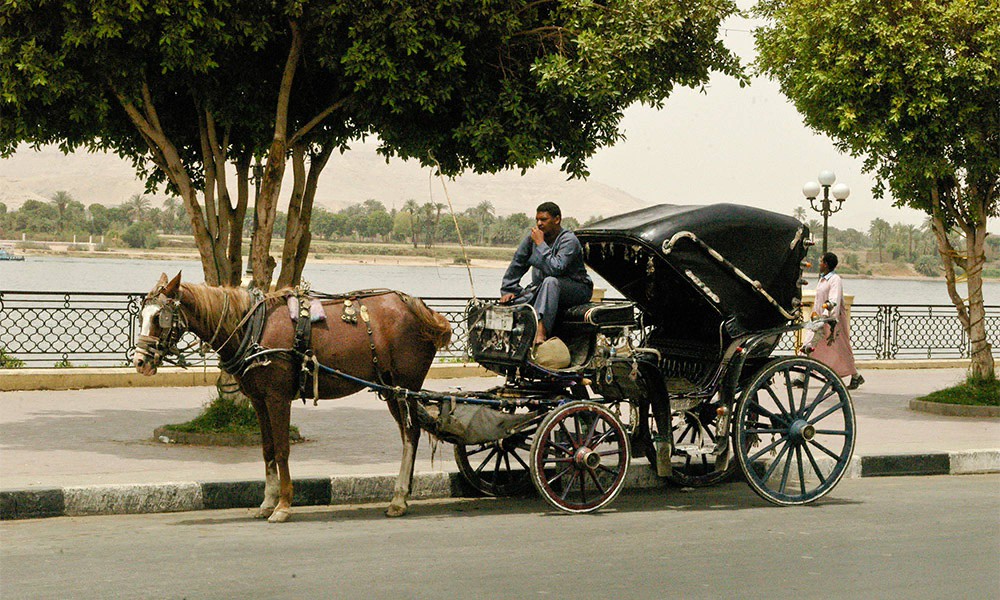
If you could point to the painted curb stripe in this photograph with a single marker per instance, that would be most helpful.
(349, 489)
(905, 464)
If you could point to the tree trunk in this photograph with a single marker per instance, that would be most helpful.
(298, 237)
(971, 315)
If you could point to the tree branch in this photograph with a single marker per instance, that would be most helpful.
(305, 129)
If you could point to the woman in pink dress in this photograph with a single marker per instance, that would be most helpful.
(832, 345)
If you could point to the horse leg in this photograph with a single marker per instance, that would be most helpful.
(271, 484)
(280, 411)
(410, 433)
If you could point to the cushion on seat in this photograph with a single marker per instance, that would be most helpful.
(601, 314)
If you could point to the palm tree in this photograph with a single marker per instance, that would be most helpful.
(879, 231)
(413, 208)
(61, 199)
(136, 206)
(800, 214)
(485, 214)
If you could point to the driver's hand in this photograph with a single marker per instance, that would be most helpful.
(537, 236)
(507, 298)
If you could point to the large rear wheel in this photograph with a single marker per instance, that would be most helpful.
(794, 431)
(579, 457)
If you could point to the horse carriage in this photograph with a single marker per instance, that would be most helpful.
(680, 371)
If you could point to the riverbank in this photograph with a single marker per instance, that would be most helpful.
(176, 254)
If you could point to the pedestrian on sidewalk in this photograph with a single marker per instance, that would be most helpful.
(831, 345)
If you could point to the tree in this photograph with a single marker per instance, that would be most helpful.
(800, 214)
(879, 233)
(913, 88)
(413, 209)
(485, 214)
(137, 207)
(192, 92)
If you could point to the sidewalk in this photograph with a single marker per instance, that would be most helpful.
(55, 441)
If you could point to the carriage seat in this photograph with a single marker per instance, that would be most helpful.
(600, 314)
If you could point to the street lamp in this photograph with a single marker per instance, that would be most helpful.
(840, 192)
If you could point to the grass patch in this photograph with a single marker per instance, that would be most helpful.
(224, 415)
(970, 393)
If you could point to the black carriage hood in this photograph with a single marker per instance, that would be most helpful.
(672, 259)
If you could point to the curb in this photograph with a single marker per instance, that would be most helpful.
(955, 410)
(354, 489)
(24, 380)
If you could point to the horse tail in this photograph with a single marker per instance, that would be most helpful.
(436, 328)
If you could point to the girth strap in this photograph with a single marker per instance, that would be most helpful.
(303, 345)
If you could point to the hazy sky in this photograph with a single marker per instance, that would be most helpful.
(731, 144)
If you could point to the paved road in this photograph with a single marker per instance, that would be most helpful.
(901, 537)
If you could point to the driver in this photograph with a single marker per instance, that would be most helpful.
(559, 278)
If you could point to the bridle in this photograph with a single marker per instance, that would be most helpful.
(172, 324)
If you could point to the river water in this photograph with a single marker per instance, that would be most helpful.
(69, 274)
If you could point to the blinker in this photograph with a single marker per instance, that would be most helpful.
(166, 316)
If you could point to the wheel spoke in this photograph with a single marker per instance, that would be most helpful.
(520, 460)
(558, 476)
(832, 409)
(778, 403)
(597, 482)
(760, 410)
(775, 463)
(821, 397)
(486, 461)
(603, 438)
(569, 436)
(768, 430)
(569, 487)
(831, 431)
(802, 475)
(784, 473)
(815, 466)
(766, 449)
(583, 489)
(825, 450)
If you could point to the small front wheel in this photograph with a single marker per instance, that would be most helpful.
(497, 468)
(794, 431)
(579, 457)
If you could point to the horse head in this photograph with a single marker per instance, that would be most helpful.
(162, 325)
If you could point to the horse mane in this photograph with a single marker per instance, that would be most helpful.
(209, 303)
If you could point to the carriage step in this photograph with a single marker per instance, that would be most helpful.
(693, 449)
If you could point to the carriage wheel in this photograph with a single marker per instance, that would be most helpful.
(794, 443)
(695, 432)
(497, 468)
(579, 457)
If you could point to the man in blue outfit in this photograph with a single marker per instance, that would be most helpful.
(558, 276)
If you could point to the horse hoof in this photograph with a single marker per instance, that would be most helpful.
(279, 516)
(395, 510)
(263, 513)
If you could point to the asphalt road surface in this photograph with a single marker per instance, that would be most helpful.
(904, 537)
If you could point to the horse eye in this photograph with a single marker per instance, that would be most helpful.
(164, 318)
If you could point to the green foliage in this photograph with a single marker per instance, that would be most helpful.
(141, 235)
(912, 88)
(929, 266)
(9, 362)
(63, 364)
(224, 415)
(971, 393)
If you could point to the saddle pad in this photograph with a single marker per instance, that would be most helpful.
(601, 314)
(316, 312)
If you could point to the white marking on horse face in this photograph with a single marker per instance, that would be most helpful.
(146, 322)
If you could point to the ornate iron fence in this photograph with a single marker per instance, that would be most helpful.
(45, 329)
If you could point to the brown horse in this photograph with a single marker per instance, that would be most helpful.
(394, 341)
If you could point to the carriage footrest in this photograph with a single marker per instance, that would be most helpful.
(601, 314)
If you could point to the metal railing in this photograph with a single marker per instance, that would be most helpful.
(45, 329)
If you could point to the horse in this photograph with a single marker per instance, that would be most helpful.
(394, 343)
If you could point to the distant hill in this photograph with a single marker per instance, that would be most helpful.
(349, 178)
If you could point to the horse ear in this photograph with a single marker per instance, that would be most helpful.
(171, 289)
(163, 280)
